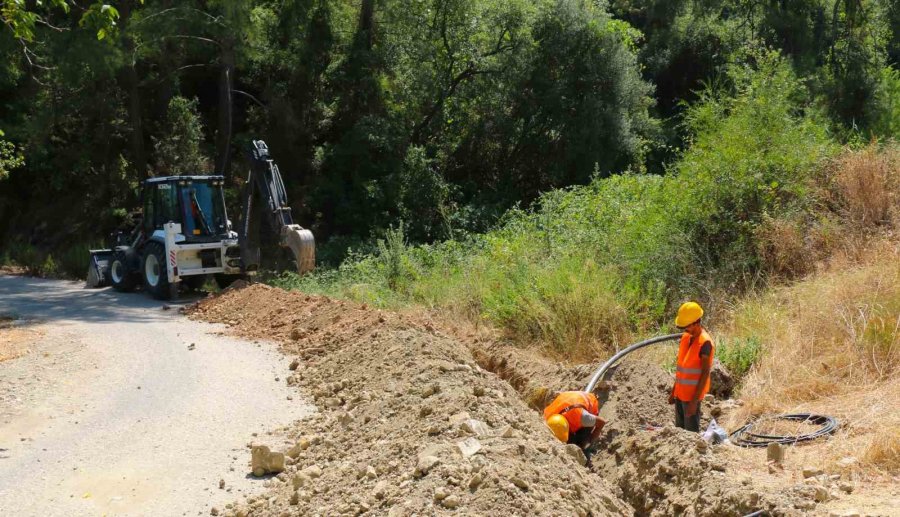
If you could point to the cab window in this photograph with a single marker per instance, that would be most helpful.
(160, 206)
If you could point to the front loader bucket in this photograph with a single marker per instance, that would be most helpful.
(302, 244)
(98, 269)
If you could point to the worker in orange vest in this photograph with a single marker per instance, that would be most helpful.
(695, 359)
(572, 416)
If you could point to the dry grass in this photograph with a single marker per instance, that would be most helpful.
(832, 345)
(855, 197)
(867, 184)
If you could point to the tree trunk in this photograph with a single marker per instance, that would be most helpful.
(136, 139)
(366, 27)
(226, 81)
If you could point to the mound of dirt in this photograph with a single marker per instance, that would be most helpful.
(408, 422)
(672, 472)
(413, 419)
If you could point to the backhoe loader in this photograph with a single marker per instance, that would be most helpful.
(184, 234)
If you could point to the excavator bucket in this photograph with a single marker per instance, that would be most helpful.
(302, 244)
(98, 269)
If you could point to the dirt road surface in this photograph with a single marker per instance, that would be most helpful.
(112, 412)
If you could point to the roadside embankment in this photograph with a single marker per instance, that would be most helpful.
(413, 419)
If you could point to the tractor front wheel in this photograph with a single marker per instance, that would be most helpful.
(120, 276)
(156, 276)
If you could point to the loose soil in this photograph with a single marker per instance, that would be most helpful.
(15, 337)
(418, 417)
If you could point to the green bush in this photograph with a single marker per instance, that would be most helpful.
(48, 268)
(69, 262)
(73, 261)
(25, 256)
(739, 354)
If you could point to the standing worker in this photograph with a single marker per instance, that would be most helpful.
(572, 416)
(695, 359)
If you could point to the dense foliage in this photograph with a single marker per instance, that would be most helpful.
(438, 113)
(612, 257)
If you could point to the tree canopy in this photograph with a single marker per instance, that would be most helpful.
(440, 114)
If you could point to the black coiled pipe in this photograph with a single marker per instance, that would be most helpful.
(746, 438)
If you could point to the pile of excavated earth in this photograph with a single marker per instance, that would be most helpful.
(414, 418)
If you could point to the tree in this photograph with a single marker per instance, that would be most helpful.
(178, 149)
(584, 106)
(10, 158)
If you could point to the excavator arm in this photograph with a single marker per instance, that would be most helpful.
(271, 204)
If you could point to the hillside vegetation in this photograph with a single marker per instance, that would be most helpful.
(763, 192)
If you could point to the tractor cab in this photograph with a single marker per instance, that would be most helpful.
(197, 203)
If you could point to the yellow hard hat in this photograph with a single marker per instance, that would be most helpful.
(560, 427)
(689, 312)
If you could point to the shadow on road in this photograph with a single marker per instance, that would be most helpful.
(48, 300)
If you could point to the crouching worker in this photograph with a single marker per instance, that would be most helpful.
(572, 416)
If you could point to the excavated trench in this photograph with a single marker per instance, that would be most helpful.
(656, 468)
(414, 419)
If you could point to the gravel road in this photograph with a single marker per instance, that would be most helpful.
(113, 412)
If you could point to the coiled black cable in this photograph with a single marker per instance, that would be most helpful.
(745, 438)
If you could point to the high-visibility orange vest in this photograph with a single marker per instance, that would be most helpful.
(689, 367)
(570, 404)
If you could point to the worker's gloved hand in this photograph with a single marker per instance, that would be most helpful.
(671, 398)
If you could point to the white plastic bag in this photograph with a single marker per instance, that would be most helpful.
(714, 433)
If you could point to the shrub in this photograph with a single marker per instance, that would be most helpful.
(868, 185)
(49, 268)
(739, 355)
(392, 257)
(73, 260)
(26, 256)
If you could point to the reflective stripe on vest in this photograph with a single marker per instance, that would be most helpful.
(690, 367)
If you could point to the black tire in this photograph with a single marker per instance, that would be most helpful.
(194, 282)
(155, 273)
(224, 281)
(121, 278)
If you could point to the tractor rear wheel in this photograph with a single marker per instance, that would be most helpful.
(120, 276)
(156, 275)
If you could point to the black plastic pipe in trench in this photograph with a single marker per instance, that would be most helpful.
(622, 353)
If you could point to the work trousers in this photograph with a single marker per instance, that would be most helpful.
(689, 423)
